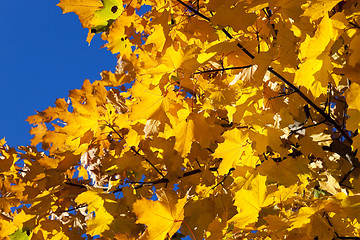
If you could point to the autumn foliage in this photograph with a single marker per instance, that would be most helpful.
(223, 120)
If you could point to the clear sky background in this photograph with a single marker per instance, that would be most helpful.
(43, 55)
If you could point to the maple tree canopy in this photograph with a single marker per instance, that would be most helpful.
(223, 120)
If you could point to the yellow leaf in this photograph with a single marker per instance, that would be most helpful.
(152, 104)
(317, 9)
(175, 58)
(326, 34)
(250, 202)
(195, 128)
(163, 217)
(314, 74)
(232, 149)
(303, 217)
(105, 16)
(291, 170)
(119, 34)
(83, 173)
(288, 8)
(235, 17)
(283, 193)
(22, 217)
(85, 9)
(6, 228)
(99, 224)
(354, 58)
(353, 96)
(351, 205)
(39, 131)
(262, 61)
(158, 37)
(331, 185)
(184, 134)
(92, 199)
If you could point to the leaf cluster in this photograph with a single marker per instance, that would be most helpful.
(223, 120)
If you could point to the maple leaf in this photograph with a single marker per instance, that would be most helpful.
(233, 16)
(291, 169)
(105, 16)
(162, 217)
(95, 202)
(153, 103)
(85, 9)
(249, 202)
(317, 9)
(6, 228)
(194, 127)
(232, 149)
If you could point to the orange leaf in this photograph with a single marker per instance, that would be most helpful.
(163, 217)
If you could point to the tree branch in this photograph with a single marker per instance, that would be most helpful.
(72, 209)
(308, 126)
(223, 69)
(68, 182)
(194, 10)
(166, 180)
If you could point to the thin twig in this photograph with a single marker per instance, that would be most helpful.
(72, 209)
(165, 180)
(346, 176)
(354, 24)
(282, 95)
(308, 126)
(194, 10)
(223, 69)
(221, 182)
(68, 182)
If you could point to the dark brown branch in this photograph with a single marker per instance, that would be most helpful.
(194, 10)
(309, 126)
(165, 180)
(72, 209)
(223, 180)
(223, 69)
(345, 177)
(354, 25)
(281, 95)
(68, 182)
(270, 69)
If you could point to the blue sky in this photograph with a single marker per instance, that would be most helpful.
(43, 55)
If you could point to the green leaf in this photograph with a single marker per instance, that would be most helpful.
(21, 234)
